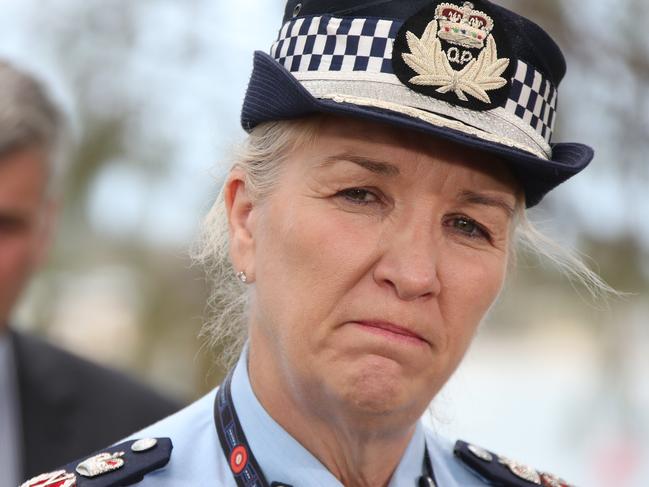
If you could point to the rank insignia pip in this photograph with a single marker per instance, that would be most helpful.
(456, 52)
(522, 471)
(144, 444)
(481, 453)
(58, 478)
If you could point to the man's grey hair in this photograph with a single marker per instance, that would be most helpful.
(29, 118)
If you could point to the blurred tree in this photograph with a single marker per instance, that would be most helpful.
(94, 44)
(106, 53)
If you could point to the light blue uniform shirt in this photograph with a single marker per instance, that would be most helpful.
(197, 458)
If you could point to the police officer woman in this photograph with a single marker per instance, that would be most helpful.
(360, 238)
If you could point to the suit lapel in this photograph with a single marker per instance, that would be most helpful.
(47, 400)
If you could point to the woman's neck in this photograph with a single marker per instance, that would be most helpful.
(360, 451)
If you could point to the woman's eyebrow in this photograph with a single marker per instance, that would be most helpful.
(476, 198)
(373, 165)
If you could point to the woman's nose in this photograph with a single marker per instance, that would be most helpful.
(408, 264)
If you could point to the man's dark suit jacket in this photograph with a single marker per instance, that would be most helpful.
(71, 407)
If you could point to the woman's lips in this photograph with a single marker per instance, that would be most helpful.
(390, 330)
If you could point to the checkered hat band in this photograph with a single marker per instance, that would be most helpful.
(351, 48)
(533, 99)
(336, 44)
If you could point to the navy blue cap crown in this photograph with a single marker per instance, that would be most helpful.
(532, 44)
(471, 72)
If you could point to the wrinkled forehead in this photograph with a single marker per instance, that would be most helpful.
(390, 150)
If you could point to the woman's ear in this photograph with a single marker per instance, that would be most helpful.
(239, 207)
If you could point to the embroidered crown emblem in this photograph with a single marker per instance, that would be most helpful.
(468, 29)
(100, 464)
(463, 26)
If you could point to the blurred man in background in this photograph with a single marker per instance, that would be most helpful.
(54, 406)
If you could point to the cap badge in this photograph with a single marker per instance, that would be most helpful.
(58, 478)
(456, 55)
(100, 464)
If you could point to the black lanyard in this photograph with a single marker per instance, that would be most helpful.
(243, 465)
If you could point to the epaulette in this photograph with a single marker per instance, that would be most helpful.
(501, 471)
(116, 466)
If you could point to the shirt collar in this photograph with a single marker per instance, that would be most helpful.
(284, 459)
(10, 420)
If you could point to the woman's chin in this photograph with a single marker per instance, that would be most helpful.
(376, 386)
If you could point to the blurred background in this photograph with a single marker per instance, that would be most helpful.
(153, 90)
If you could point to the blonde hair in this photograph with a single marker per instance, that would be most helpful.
(261, 157)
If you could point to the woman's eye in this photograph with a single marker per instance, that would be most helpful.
(469, 227)
(359, 196)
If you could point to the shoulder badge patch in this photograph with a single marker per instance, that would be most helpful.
(501, 470)
(122, 464)
(456, 52)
